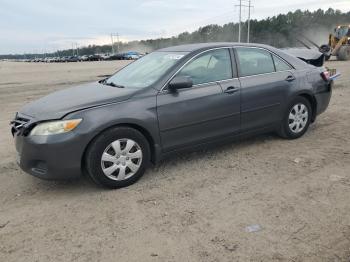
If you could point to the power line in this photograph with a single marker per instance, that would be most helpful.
(200, 23)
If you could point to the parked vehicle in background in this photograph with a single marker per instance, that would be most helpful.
(50, 59)
(119, 56)
(132, 55)
(84, 58)
(94, 57)
(37, 60)
(172, 99)
(105, 56)
(63, 59)
(125, 56)
(72, 59)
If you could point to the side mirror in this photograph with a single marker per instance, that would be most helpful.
(179, 82)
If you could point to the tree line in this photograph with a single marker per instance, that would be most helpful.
(280, 31)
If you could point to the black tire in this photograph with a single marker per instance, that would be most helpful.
(344, 53)
(285, 131)
(97, 147)
(326, 50)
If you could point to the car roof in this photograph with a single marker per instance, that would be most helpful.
(203, 46)
(199, 47)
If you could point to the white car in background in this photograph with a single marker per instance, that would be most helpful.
(132, 55)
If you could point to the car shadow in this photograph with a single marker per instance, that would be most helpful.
(84, 185)
(209, 152)
(81, 184)
(221, 147)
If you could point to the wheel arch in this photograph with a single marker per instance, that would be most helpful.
(313, 102)
(155, 151)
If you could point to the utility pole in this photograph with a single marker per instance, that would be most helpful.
(117, 42)
(112, 44)
(249, 6)
(112, 38)
(240, 21)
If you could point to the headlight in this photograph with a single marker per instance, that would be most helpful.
(55, 127)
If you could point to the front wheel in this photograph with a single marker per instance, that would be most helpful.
(118, 157)
(297, 119)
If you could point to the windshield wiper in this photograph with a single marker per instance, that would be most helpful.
(112, 84)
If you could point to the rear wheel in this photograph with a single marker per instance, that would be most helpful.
(297, 119)
(344, 53)
(118, 157)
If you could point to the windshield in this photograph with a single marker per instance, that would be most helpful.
(145, 71)
(341, 31)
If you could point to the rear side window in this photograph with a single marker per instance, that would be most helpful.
(209, 67)
(254, 61)
(280, 64)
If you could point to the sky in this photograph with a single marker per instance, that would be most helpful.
(39, 26)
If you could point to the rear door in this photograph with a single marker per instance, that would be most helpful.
(265, 81)
(210, 109)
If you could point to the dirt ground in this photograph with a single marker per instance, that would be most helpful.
(192, 207)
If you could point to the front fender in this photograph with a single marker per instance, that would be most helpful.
(139, 112)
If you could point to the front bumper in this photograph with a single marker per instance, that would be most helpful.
(53, 157)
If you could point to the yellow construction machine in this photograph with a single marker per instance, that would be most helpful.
(338, 44)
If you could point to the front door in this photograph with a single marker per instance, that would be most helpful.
(210, 109)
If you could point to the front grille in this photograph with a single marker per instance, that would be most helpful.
(18, 124)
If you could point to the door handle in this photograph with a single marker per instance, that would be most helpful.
(231, 90)
(290, 78)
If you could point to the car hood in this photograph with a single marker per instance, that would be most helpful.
(59, 104)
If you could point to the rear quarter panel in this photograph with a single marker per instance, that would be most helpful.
(322, 90)
(311, 83)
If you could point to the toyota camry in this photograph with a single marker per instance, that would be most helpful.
(169, 100)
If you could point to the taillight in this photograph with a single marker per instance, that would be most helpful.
(325, 76)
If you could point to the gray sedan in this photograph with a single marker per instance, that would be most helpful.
(173, 99)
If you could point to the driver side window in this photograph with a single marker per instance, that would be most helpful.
(209, 67)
